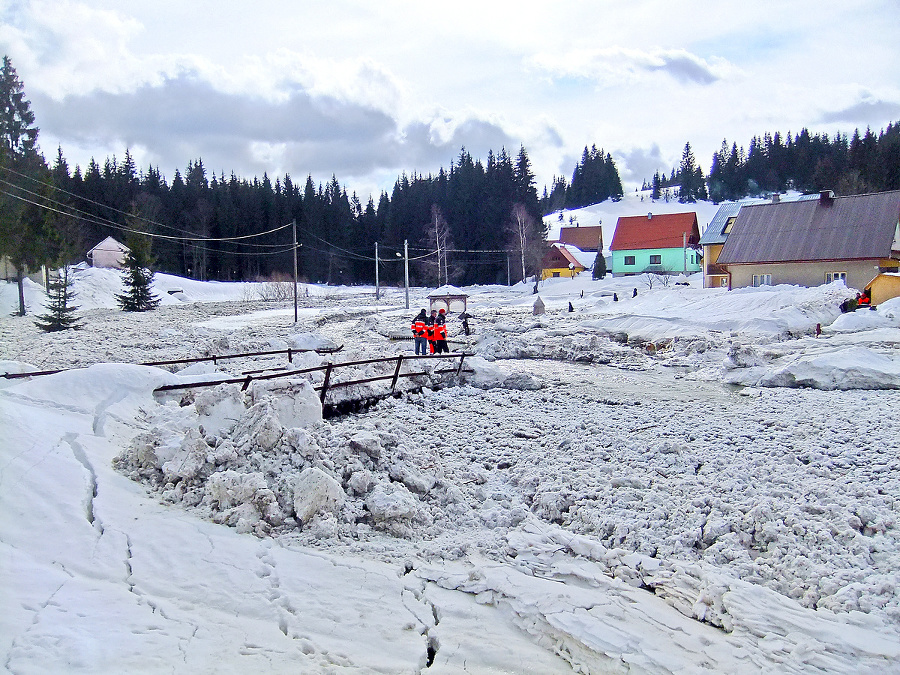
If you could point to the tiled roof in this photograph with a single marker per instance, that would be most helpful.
(585, 238)
(838, 228)
(664, 230)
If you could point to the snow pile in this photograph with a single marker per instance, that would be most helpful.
(262, 462)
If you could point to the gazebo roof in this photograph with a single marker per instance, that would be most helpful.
(448, 291)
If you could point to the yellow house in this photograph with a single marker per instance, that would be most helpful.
(560, 262)
(884, 287)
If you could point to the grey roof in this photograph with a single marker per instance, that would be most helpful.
(858, 227)
(714, 234)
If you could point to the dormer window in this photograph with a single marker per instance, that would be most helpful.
(728, 224)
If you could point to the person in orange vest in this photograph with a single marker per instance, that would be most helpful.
(863, 299)
(429, 329)
(418, 329)
(440, 333)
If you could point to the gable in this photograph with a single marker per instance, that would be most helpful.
(857, 227)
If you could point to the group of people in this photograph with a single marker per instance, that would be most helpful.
(430, 332)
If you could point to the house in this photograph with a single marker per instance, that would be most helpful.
(664, 244)
(583, 238)
(814, 242)
(108, 253)
(448, 298)
(562, 260)
(714, 274)
(884, 287)
(9, 272)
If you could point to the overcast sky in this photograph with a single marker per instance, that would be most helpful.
(366, 90)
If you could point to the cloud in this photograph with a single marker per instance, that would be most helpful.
(618, 65)
(639, 164)
(865, 111)
(186, 118)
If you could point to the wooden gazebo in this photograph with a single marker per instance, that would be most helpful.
(448, 298)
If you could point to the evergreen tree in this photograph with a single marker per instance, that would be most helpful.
(23, 229)
(137, 276)
(599, 270)
(690, 187)
(60, 311)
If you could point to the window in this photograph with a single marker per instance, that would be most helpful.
(834, 276)
(723, 281)
(762, 280)
(728, 224)
(556, 274)
(655, 259)
(629, 260)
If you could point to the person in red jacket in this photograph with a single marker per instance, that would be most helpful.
(440, 333)
(429, 329)
(418, 329)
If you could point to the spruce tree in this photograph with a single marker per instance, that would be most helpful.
(60, 311)
(599, 271)
(137, 276)
(23, 235)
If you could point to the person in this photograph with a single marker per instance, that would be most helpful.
(863, 299)
(615, 297)
(571, 309)
(429, 329)
(418, 329)
(634, 295)
(465, 316)
(440, 333)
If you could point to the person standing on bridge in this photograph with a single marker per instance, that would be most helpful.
(440, 333)
(418, 329)
(429, 329)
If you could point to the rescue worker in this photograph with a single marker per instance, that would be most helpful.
(429, 329)
(863, 299)
(418, 329)
(440, 333)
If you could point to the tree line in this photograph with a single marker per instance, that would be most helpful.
(805, 162)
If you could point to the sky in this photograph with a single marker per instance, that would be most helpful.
(365, 91)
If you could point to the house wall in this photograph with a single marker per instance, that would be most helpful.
(859, 272)
(108, 258)
(9, 272)
(672, 261)
(884, 287)
(550, 272)
(713, 274)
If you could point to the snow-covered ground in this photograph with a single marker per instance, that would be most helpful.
(684, 481)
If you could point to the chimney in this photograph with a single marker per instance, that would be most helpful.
(826, 197)
(776, 197)
(649, 216)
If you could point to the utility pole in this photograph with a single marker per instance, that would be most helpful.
(684, 250)
(377, 294)
(294, 223)
(406, 271)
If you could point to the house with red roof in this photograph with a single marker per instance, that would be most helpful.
(666, 243)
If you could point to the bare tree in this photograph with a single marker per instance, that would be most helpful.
(528, 239)
(438, 234)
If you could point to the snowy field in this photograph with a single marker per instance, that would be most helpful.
(685, 481)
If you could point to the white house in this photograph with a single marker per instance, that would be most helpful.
(108, 253)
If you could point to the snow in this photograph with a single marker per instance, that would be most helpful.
(686, 481)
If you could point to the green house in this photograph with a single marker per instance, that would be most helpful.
(662, 244)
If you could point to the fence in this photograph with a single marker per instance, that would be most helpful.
(198, 359)
(329, 369)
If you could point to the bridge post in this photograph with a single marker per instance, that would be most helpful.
(396, 372)
(325, 381)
